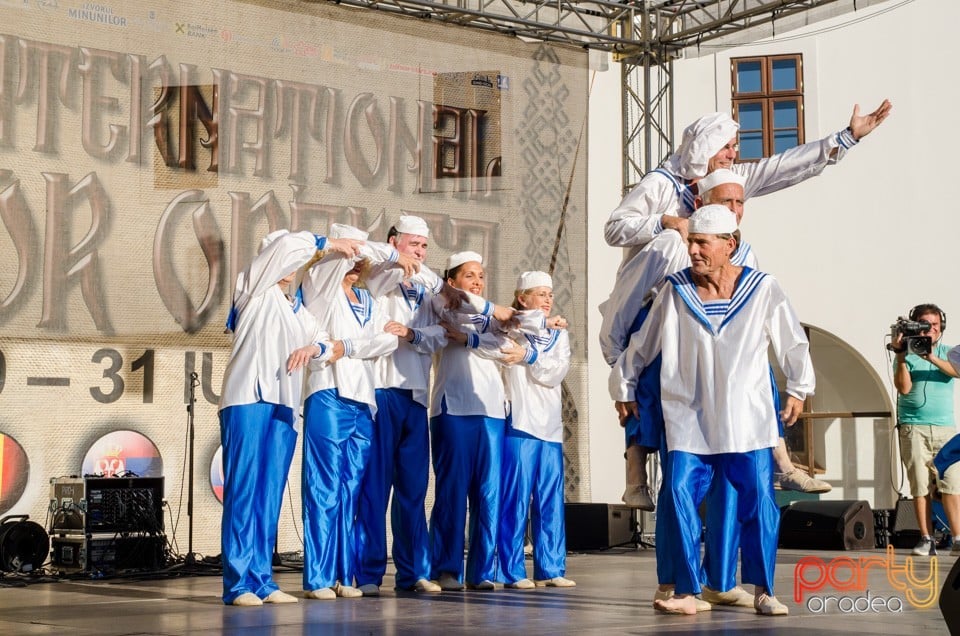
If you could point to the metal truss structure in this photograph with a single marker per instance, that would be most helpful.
(646, 36)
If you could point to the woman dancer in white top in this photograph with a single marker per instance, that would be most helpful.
(273, 338)
(533, 447)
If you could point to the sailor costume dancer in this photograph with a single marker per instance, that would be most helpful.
(637, 223)
(716, 401)
(467, 428)
(533, 451)
(338, 416)
(400, 447)
(259, 406)
(722, 527)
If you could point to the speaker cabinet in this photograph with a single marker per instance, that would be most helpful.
(950, 600)
(597, 526)
(906, 530)
(827, 525)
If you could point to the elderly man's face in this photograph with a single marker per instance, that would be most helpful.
(729, 195)
(412, 245)
(724, 158)
(709, 252)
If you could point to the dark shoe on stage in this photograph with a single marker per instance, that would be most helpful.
(485, 586)
(926, 547)
(449, 583)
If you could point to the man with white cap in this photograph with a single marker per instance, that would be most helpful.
(338, 411)
(712, 323)
(722, 187)
(533, 448)
(664, 199)
(400, 446)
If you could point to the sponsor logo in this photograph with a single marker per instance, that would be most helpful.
(98, 14)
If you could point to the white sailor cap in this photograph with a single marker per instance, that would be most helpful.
(270, 238)
(341, 230)
(719, 177)
(713, 219)
(529, 280)
(458, 259)
(701, 140)
(409, 224)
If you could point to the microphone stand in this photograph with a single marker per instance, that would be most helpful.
(194, 383)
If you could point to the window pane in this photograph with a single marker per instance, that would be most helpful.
(784, 75)
(751, 145)
(750, 116)
(784, 140)
(748, 77)
(785, 114)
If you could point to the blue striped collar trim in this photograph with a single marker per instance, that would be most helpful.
(480, 322)
(740, 256)
(363, 310)
(746, 285)
(298, 300)
(684, 191)
(544, 343)
(413, 294)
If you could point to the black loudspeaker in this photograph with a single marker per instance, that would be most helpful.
(827, 525)
(597, 526)
(950, 600)
(906, 530)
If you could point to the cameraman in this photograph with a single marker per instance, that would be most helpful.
(924, 412)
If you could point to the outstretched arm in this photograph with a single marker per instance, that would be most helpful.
(863, 125)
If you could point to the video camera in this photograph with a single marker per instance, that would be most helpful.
(913, 341)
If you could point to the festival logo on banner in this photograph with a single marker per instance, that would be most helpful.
(14, 472)
(216, 474)
(123, 454)
(814, 576)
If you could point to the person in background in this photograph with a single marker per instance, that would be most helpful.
(925, 422)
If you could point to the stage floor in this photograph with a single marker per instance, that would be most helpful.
(613, 596)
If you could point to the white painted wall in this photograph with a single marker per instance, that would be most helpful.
(855, 247)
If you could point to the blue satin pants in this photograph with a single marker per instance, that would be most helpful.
(467, 454)
(399, 460)
(722, 541)
(751, 474)
(258, 442)
(533, 468)
(336, 446)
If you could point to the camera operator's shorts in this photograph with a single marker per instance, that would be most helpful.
(918, 444)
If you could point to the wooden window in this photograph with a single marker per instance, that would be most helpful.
(768, 104)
